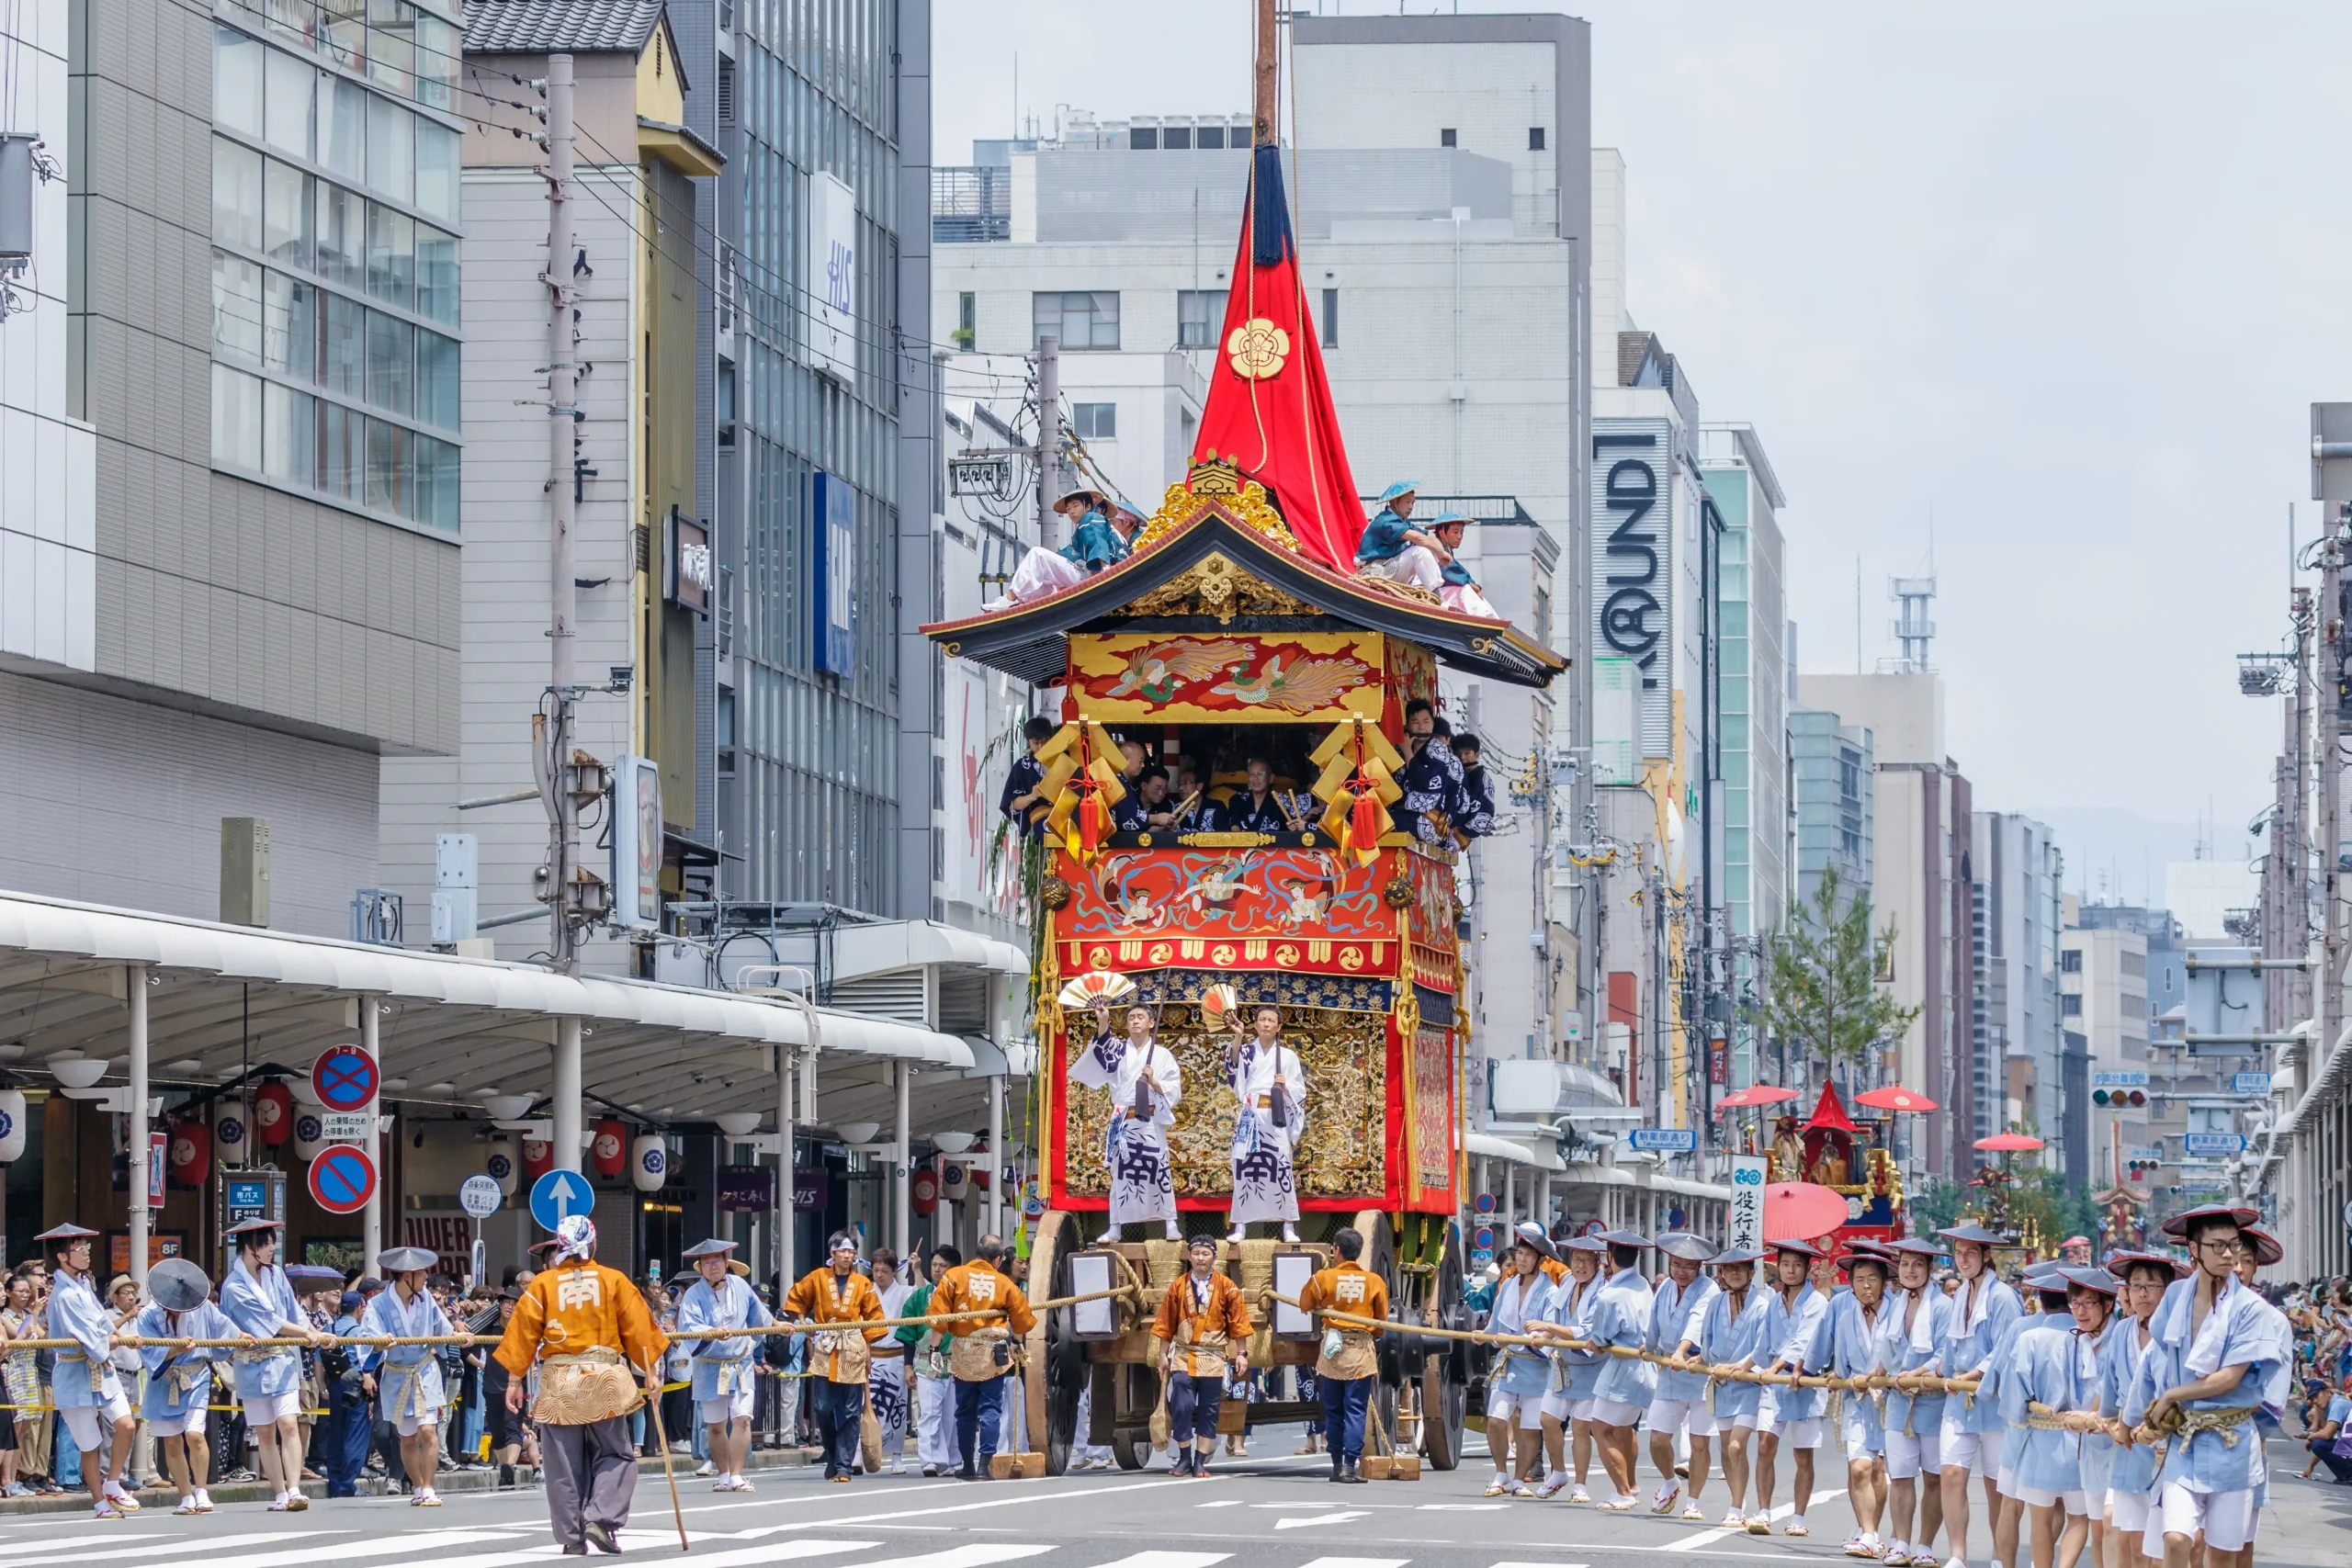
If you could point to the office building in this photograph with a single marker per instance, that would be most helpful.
(2019, 1028)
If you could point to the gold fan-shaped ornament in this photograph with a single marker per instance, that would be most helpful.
(1096, 987)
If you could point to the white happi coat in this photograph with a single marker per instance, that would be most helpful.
(1265, 1179)
(1143, 1185)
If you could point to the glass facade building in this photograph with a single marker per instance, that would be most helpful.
(335, 329)
(809, 782)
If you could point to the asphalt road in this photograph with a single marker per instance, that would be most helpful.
(1267, 1512)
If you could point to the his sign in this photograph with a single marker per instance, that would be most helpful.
(1744, 1225)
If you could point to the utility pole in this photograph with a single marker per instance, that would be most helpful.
(554, 751)
(2330, 1010)
(1049, 432)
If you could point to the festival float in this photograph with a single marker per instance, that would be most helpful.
(1237, 622)
(1851, 1157)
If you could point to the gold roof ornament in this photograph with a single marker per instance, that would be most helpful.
(1215, 484)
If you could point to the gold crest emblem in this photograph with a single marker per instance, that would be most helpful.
(1256, 349)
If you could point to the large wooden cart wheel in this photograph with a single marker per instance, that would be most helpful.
(1380, 1257)
(1049, 1387)
(1130, 1446)
(1445, 1384)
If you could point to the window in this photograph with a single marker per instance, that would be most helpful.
(2071, 961)
(292, 100)
(1445, 137)
(1095, 422)
(391, 256)
(343, 128)
(237, 81)
(436, 275)
(236, 417)
(2071, 1005)
(437, 380)
(236, 194)
(1143, 139)
(967, 313)
(1083, 319)
(1199, 314)
(436, 169)
(341, 235)
(236, 308)
(287, 205)
(1535, 138)
(1331, 318)
(392, 364)
(391, 150)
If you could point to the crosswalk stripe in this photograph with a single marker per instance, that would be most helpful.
(1357, 1563)
(344, 1550)
(1708, 1538)
(1168, 1560)
(976, 1556)
(149, 1546)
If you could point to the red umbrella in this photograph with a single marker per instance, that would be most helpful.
(1802, 1210)
(1896, 1099)
(2007, 1142)
(1759, 1094)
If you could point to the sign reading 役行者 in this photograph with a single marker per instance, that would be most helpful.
(1743, 1224)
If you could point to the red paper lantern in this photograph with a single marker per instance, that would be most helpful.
(274, 1112)
(924, 1192)
(610, 1150)
(191, 1154)
(538, 1158)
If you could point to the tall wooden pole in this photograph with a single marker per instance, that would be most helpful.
(1265, 102)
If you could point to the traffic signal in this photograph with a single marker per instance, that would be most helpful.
(2139, 1097)
(2119, 1098)
(2139, 1168)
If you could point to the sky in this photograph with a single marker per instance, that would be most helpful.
(2058, 282)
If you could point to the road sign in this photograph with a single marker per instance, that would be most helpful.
(2213, 1143)
(345, 1079)
(2145, 1151)
(478, 1196)
(347, 1126)
(558, 1193)
(342, 1178)
(2119, 1081)
(1745, 1226)
(1666, 1140)
(1486, 1202)
(2250, 1083)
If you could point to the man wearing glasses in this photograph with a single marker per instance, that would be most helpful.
(2211, 1385)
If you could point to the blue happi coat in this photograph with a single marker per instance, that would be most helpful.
(1916, 1349)
(2002, 1364)
(1620, 1316)
(262, 1305)
(2057, 1367)
(1519, 1368)
(1094, 540)
(86, 1376)
(1790, 1331)
(179, 1382)
(1675, 1314)
(722, 1366)
(1970, 1335)
(2238, 1331)
(1571, 1308)
(1384, 537)
(1729, 1337)
(407, 1377)
(1850, 1346)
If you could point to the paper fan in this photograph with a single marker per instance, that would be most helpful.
(1096, 986)
(1217, 1001)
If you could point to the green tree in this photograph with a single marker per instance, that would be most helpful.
(1823, 994)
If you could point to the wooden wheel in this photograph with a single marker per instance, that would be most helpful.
(1445, 1383)
(1047, 1265)
(1132, 1447)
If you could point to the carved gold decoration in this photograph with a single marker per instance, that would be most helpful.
(1218, 486)
(1256, 349)
(1346, 1058)
(1054, 893)
(1215, 587)
(1399, 893)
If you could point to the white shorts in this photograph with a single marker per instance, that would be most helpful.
(1615, 1413)
(83, 1421)
(2005, 1481)
(2226, 1517)
(1563, 1409)
(736, 1407)
(1960, 1450)
(262, 1409)
(1520, 1409)
(410, 1425)
(1860, 1442)
(1804, 1434)
(1666, 1415)
(1906, 1456)
(188, 1426)
(2035, 1497)
(2127, 1511)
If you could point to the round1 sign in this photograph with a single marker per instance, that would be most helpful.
(342, 1178)
(345, 1079)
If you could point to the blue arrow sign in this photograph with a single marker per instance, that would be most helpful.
(558, 1193)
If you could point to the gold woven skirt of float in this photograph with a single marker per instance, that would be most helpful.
(578, 1391)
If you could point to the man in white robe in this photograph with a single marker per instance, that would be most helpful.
(1145, 1084)
(1271, 1083)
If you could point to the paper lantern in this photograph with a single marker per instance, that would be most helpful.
(648, 1161)
(12, 1125)
(955, 1182)
(228, 1131)
(922, 1192)
(191, 1154)
(500, 1166)
(610, 1151)
(310, 1136)
(274, 1112)
(538, 1158)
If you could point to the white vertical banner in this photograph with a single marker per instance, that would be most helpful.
(829, 278)
(1744, 1226)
